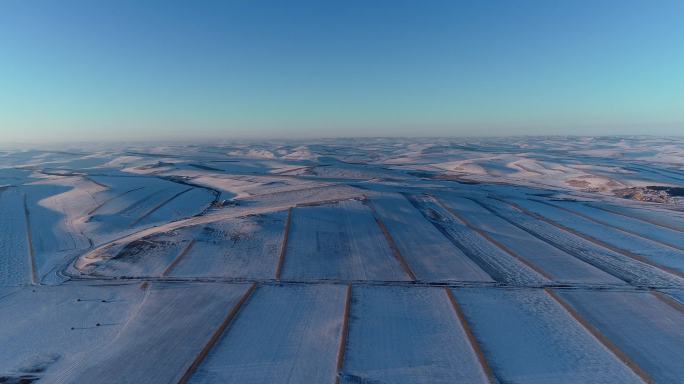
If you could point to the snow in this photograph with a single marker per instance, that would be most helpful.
(560, 266)
(657, 253)
(431, 256)
(407, 335)
(667, 219)
(246, 247)
(159, 342)
(15, 267)
(37, 335)
(342, 260)
(500, 265)
(647, 329)
(616, 264)
(529, 338)
(340, 241)
(284, 334)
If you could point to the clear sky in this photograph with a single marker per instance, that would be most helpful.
(125, 69)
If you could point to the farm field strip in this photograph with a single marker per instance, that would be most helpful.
(556, 264)
(15, 253)
(430, 255)
(528, 337)
(283, 334)
(241, 248)
(645, 328)
(177, 320)
(343, 261)
(501, 266)
(667, 258)
(341, 240)
(628, 269)
(658, 218)
(648, 231)
(403, 335)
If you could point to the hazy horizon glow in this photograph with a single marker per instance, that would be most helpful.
(87, 70)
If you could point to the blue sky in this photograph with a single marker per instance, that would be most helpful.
(86, 70)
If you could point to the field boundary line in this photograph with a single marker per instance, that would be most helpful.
(216, 335)
(470, 335)
(111, 199)
(601, 222)
(178, 258)
(645, 220)
(283, 246)
(342, 349)
(596, 241)
(665, 298)
(483, 265)
(549, 241)
(493, 241)
(391, 243)
(603, 339)
(29, 238)
(157, 207)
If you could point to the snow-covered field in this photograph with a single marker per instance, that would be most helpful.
(510, 260)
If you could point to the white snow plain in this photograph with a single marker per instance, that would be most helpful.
(511, 260)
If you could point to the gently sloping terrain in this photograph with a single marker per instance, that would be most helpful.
(45, 330)
(431, 256)
(245, 247)
(555, 263)
(646, 328)
(500, 265)
(283, 334)
(639, 228)
(15, 257)
(628, 269)
(666, 219)
(407, 335)
(161, 341)
(637, 247)
(529, 338)
(339, 241)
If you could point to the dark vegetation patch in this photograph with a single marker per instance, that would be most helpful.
(205, 167)
(135, 249)
(651, 193)
(422, 174)
(354, 379)
(23, 379)
(456, 178)
(672, 191)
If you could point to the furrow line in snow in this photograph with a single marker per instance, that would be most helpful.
(645, 220)
(598, 242)
(496, 263)
(494, 242)
(322, 202)
(158, 206)
(283, 245)
(407, 283)
(494, 274)
(29, 238)
(601, 222)
(92, 211)
(216, 335)
(665, 298)
(87, 178)
(544, 238)
(627, 269)
(474, 344)
(603, 339)
(178, 258)
(345, 334)
(392, 244)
